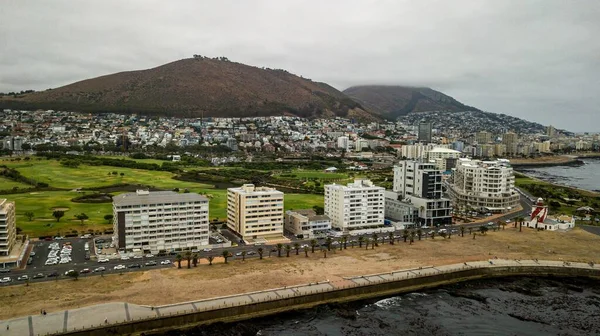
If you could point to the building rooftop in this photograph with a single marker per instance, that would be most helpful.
(251, 189)
(156, 197)
(443, 150)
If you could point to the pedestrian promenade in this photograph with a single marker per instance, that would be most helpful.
(121, 312)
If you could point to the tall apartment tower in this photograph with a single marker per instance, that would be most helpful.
(483, 137)
(424, 134)
(356, 207)
(551, 131)
(154, 221)
(255, 212)
(8, 228)
(510, 139)
(420, 184)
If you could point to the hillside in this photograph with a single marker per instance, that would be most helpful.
(195, 87)
(395, 101)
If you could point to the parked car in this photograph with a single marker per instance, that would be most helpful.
(39, 276)
(4, 270)
(206, 250)
(137, 257)
(238, 254)
(149, 255)
(23, 277)
(134, 266)
(251, 253)
(119, 267)
(103, 260)
(5, 280)
(165, 262)
(124, 258)
(69, 272)
(151, 263)
(99, 269)
(85, 270)
(53, 274)
(32, 254)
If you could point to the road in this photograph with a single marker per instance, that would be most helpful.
(79, 263)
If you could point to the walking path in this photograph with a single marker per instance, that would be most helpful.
(120, 312)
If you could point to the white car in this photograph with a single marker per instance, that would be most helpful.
(119, 267)
(124, 258)
(149, 255)
(238, 254)
(69, 272)
(5, 280)
(165, 262)
(206, 250)
(103, 260)
(137, 257)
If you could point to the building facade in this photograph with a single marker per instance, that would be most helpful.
(420, 185)
(8, 228)
(306, 224)
(355, 208)
(399, 212)
(424, 132)
(443, 158)
(483, 137)
(484, 185)
(155, 221)
(255, 213)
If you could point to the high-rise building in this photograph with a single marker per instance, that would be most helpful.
(551, 131)
(255, 213)
(483, 137)
(510, 139)
(8, 228)
(424, 134)
(484, 185)
(154, 221)
(443, 157)
(355, 208)
(343, 143)
(420, 184)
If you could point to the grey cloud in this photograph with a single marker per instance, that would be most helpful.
(539, 60)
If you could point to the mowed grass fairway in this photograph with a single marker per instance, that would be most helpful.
(6, 184)
(52, 172)
(318, 174)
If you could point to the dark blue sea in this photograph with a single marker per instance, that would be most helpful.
(586, 176)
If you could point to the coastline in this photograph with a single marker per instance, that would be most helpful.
(581, 190)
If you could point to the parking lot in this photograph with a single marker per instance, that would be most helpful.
(42, 251)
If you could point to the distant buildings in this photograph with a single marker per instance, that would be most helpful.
(306, 224)
(420, 185)
(424, 132)
(8, 229)
(551, 131)
(255, 213)
(154, 221)
(443, 158)
(355, 208)
(483, 137)
(484, 185)
(510, 140)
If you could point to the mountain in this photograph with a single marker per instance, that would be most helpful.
(394, 101)
(194, 87)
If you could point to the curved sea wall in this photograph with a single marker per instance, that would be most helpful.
(352, 289)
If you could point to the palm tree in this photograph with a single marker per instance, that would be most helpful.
(373, 243)
(405, 235)
(260, 252)
(361, 240)
(178, 258)
(324, 252)
(225, 255)
(288, 248)
(210, 260)
(195, 259)
(279, 247)
(433, 234)
(306, 251)
(243, 255)
(345, 241)
(462, 231)
(375, 240)
(367, 240)
(419, 233)
(188, 257)
(328, 243)
(412, 237)
(313, 244)
(470, 231)
(483, 229)
(443, 234)
(297, 248)
(391, 235)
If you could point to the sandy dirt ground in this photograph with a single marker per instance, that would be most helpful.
(554, 159)
(157, 287)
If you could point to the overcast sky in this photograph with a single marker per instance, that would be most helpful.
(537, 60)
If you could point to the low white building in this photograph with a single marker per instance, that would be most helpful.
(540, 220)
(306, 224)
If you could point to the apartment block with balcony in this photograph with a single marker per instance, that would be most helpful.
(8, 228)
(306, 224)
(355, 208)
(484, 185)
(154, 221)
(255, 213)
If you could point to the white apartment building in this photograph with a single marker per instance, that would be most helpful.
(343, 142)
(306, 224)
(420, 185)
(484, 185)
(154, 221)
(419, 150)
(443, 158)
(255, 213)
(355, 208)
(8, 228)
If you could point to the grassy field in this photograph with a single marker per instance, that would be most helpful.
(319, 174)
(119, 157)
(6, 184)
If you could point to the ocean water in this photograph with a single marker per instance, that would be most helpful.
(586, 176)
(509, 306)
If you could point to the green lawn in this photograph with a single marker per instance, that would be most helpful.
(302, 201)
(319, 174)
(6, 184)
(118, 157)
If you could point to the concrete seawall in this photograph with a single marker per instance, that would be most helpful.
(251, 305)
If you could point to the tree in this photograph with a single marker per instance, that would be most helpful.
(260, 252)
(462, 231)
(29, 215)
(324, 252)
(81, 217)
(297, 248)
(108, 218)
(225, 255)
(361, 240)
(375, 243)
(470, 231)
(178, 258)
(188, 257)
(483, 229)
(279, 248)
(243, 255)
(419, 233)
(306, 251)
(58, 214)
(73, 274)
(210, 260)
(313, 244)
(433, 234)
(443, 234)
(391, 235)
(503, 224)
(412, 237)
(319, 209)
(195, 259)
(405, 235)
(328, 242)
(288, 248)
